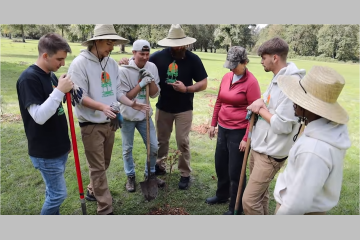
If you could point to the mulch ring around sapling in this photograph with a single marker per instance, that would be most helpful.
(167, 210)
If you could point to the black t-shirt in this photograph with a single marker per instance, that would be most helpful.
(185, 70)
(51, 139)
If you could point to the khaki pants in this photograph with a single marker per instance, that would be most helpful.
(310, 213)
(98, 140)
(164, 126)
(256, 195)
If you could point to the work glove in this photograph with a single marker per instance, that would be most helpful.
(116, 123)
(248, 116)
(144, 73)
(145, 77)
(76, 95)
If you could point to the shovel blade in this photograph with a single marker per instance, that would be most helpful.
(149, 189)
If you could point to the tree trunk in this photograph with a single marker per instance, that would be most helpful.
(205, 49)
(23, 33)
(62, 32)
(227, 48)
(122, 48)
(214, 50)
(9, 35)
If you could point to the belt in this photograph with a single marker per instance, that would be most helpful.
(83, 124)
(279, 159)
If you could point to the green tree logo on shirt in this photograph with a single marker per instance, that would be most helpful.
(106, 85)
(172, 72)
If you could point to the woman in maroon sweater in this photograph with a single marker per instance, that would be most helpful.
(238, 89)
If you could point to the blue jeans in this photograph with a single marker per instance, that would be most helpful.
(127, 135)
(52, 171)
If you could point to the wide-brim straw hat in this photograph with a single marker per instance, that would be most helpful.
(317, 92)
(176, 37)
(106, 31)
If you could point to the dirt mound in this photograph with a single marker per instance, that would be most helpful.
(9, 117)
(202, 129)
(168, 211)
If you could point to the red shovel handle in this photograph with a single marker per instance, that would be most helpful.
(75, 149)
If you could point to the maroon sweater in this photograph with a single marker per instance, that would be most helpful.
(233, 99)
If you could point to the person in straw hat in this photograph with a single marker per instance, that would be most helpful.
(311, 182)
(272, 136)
(98, 75)
(178, 68)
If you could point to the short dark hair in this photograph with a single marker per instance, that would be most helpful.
(51, 43)
(274, 46)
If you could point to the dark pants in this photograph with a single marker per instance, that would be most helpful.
(228, 164)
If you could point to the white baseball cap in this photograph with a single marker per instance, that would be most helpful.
(141, 45)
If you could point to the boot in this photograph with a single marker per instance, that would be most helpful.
(130, 184)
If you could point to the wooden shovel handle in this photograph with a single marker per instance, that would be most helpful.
(148, 130)
(243, 168)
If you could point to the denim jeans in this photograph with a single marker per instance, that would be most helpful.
(127, 135)
(52, 171)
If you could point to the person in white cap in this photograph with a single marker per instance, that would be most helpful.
(134, 87)
(98, 75)
(312, 179)
(272, 136)
(178, 68)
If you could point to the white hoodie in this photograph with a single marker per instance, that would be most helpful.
(275, 139)
(85, 71)
(312, 179)
(128, 80)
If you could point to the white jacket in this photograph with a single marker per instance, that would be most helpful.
(275, 139)
(128, 80)
(312, 179)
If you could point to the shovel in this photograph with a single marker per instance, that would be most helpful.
(246, 154)
(149, 188)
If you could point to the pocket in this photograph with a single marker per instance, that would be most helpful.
(265, 168)
(276, 166)
(87, 130)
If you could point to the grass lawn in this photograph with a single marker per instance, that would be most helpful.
(22, 188)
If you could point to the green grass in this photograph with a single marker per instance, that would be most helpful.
(22, 188)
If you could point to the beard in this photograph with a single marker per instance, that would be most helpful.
(178, 53)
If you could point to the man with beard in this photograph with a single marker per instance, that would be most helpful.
(177, 67)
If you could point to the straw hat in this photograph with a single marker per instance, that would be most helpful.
(106, 31)
(317, 92)
(176, 37)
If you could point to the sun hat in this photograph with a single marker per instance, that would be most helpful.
(106, 31)
(176, 37)
(317, 92)
(235, 55)
(141, 45)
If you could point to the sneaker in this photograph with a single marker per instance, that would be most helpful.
(159, 171)
(90, 197)
(184, 183)
(130, 183)
(160, 182)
